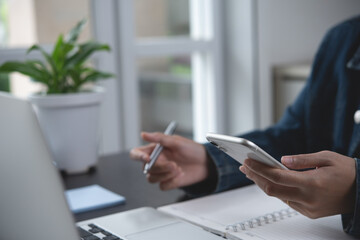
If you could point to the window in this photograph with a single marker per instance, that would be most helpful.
(167, 55)
(171, 67)
(167, 18)
(165, 92)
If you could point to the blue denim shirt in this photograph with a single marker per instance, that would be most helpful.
(321, 118)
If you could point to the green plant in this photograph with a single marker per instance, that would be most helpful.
(65, 70)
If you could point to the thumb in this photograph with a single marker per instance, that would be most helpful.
(157, 137)
(302, 161)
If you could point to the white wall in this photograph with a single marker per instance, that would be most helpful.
(260, 34)
(290, 31)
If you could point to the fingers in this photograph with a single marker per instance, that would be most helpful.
(289, 195)
(312, 160)
(161, 167)
(142, 153)
(154, 178)
(166, 174)
(318, 192)
(172, 182)
(270, 188)
(157, 137)
(279, 176)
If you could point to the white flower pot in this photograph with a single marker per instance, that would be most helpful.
(70, 123)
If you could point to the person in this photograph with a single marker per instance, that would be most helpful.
(317, 139)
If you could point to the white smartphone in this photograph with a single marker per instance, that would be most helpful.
(241, 149)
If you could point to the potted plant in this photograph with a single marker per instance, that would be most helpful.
(68, 111)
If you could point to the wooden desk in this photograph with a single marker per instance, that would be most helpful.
(122, 175)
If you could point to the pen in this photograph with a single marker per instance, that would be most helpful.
(170, 129)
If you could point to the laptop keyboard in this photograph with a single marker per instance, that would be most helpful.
(94, 232)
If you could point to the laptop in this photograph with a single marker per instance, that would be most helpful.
(33, 204)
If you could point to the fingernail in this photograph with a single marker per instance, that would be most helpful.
(243, 169)
(287, 160)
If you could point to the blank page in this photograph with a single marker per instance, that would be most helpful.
(216, 212)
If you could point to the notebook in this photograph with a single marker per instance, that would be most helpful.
(248, 213)
(33, 204)
(91, 197)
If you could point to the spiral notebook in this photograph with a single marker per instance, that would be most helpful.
(248, 213)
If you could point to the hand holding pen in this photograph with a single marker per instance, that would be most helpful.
(158, 148)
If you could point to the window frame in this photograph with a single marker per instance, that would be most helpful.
(120, 114)
(205, 47)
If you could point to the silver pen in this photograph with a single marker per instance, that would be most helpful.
(170, 129)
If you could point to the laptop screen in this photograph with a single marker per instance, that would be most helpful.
(33, 204)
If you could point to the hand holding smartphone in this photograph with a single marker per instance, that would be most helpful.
(241, 149)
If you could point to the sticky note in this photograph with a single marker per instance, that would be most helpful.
(91, 197)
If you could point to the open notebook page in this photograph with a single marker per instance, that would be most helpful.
(296, 228)
(216, 212)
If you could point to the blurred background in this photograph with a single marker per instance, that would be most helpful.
(211, 65)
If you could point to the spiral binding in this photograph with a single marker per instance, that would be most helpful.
(262, 220)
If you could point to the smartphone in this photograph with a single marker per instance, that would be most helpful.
(241, 149)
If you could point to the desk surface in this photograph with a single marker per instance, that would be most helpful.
(122, 175)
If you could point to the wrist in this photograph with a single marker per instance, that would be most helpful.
(207, 181)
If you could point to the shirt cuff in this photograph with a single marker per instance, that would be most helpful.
(224, 174)
(351, 221)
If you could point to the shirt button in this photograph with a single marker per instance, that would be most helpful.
(357, 117)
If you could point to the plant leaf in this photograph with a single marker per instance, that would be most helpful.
(75, 31)
(58, 54)
(63, 70)
(84, 52)
(60, 51)
(40, 66)
(46, 56)
(26, 68)
(58, 47)
(97, 75)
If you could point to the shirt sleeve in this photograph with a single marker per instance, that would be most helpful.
(351, 221)
(227, 169)
(224, 174)
(287, 137)
(277, 140)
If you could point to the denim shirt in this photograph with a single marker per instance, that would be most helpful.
(321, 118)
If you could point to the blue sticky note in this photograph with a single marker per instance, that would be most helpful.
(91, 197)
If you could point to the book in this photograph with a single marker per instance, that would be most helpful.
(91, 198)
(248, 213)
